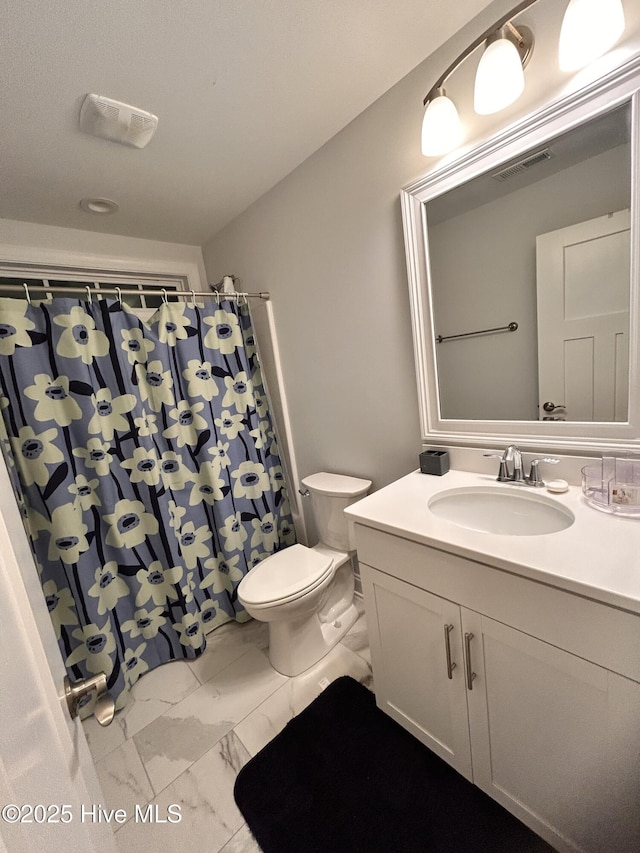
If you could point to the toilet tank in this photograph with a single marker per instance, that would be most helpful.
(330, 495)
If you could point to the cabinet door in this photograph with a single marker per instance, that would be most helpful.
(410, 666)
(555, 739)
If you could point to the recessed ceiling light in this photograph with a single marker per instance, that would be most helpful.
(99, 205)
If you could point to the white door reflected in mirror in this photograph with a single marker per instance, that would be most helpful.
(582, 290)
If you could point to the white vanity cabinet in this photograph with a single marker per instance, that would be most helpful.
(531, 692)
(409, 633)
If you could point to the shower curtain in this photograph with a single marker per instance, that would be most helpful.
(147, 471)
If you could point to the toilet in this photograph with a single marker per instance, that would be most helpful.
(306, 594)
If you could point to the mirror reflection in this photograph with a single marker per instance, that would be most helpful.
(540, 244)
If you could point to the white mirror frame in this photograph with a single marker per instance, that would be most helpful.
(618, 87)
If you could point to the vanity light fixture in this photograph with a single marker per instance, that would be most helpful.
(500, 74)
(589, 29)
(441, 126)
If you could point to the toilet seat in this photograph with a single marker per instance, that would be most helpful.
(285, 576)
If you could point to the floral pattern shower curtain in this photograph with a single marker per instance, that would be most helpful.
(147, 472)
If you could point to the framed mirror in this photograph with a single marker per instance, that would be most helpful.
(523, 268)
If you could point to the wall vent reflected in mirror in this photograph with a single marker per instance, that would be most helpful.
(522, 165)
(534, 226)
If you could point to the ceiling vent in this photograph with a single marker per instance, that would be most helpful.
(523, 165)
(116, 121)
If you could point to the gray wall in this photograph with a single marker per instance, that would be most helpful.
(30, 242)
(327, 242)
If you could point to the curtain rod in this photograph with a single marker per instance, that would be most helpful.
(90, 292)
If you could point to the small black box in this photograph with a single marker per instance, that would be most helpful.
(434, 462)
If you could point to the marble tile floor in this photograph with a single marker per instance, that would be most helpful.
(193, 724)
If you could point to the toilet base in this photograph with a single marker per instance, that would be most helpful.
(297, 645)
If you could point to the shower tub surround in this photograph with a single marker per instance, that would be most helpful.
(191, 726)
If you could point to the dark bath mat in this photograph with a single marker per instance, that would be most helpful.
(343, 777)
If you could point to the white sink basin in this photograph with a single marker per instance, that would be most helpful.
(511, 511)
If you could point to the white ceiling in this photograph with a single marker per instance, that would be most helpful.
(245, 90)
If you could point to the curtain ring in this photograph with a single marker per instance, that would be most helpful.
(193, 299)
(218, 298)
(164, 296)
(88, 289)
(26, 291)
(118, 295)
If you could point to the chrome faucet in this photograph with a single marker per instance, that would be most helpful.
(511, 467)
(513, 458)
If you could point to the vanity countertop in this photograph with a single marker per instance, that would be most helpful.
(598, 556)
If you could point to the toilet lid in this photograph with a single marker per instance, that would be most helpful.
(338, 485)
(284, 575)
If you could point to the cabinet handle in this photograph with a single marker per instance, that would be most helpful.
(447, 645)
(467, 648)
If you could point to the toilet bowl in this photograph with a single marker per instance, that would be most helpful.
(306, 594)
